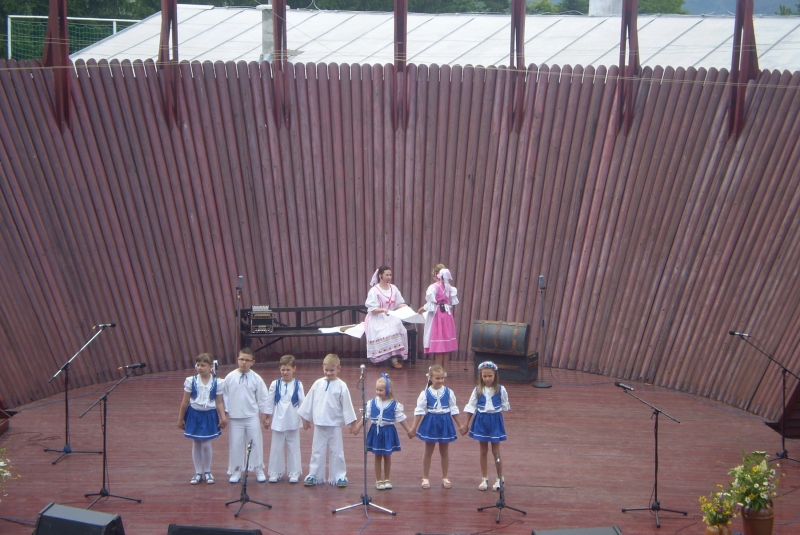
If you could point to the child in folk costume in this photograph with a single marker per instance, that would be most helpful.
(328, 406)
(202, 416)
(486, 403)
(382, 438)
(246, 403)
(283, 401)
(436, 409)
(440, 327)
(386, 336)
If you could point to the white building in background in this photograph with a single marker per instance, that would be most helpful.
(209, 33)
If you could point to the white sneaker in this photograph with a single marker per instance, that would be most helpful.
(261, 476)
(294, 479)
(235, 477)
(273, 479)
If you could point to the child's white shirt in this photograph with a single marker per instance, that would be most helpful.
(328, 403)
(472, 404)
(203, 401)
(284, 414)
(422, 402)
(245, 394)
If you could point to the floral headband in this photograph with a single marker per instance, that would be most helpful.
(487, 364)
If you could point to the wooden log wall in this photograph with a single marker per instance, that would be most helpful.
(653, 244)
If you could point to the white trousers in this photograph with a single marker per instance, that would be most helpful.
(242, 431)
(277, 467)
(327, 438)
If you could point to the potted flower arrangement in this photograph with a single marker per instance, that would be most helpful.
(718, 509)
(753, 488)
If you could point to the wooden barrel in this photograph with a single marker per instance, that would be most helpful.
(500, 337)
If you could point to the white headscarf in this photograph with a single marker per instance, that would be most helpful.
(374, 280)
(444, 276)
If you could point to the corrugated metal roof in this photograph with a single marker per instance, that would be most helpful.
(214, 33)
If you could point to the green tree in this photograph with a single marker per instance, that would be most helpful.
(787, 11)
(662, 6)
(414, 6)
(574, 7)
(542, 7)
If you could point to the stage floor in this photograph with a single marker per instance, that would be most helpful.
(577, 453)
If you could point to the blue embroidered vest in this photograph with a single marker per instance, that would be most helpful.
(445, 399)
(212, 395)
(388, 412)
(295, 395)
(496, 401)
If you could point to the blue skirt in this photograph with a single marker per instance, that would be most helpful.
(201, 425)
(383, 440)
(437, 428)
(488, 427)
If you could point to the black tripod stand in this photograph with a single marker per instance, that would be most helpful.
(243, 496)
(365, 499)
(656, 506)
(501, 502)
(783, 454)
(67, 449)
(104, 489)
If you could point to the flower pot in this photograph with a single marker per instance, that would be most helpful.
(718, 529)
(758, 522)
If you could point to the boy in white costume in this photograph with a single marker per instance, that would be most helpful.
(284, 399)
(328, 406)
(246, 405)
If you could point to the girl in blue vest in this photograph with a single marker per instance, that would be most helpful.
(487, 403)
(202, 416)
(382, 438)
(436, 410)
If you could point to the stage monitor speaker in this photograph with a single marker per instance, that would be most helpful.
(613, 530)
(62, 520)
(175, 529)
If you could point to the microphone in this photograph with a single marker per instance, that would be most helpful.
(104, 325)
(362, 370)
(625, 387)
(743, 335)
(541, 282)
(133, 366)
(240, 283)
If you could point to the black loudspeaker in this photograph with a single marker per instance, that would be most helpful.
(175, 529)
(613, 530)
(514, 368)
(62, 520)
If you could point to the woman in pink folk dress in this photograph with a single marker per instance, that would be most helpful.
(386, 336)
(440, 327)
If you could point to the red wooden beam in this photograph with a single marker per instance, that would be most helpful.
(517, 63)
(629, 67)
(744, 64)
(280, 78)
(56, 56)
(168, 64)
(400, 104)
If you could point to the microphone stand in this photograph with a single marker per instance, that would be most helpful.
(243, 496)
(656, 506)
(238, 334)
(67, 449)
(104, 489)
(783, 454)
(365, 499)
(501, 502)
(541, 384)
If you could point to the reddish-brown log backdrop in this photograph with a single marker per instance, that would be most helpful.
(653, 244)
